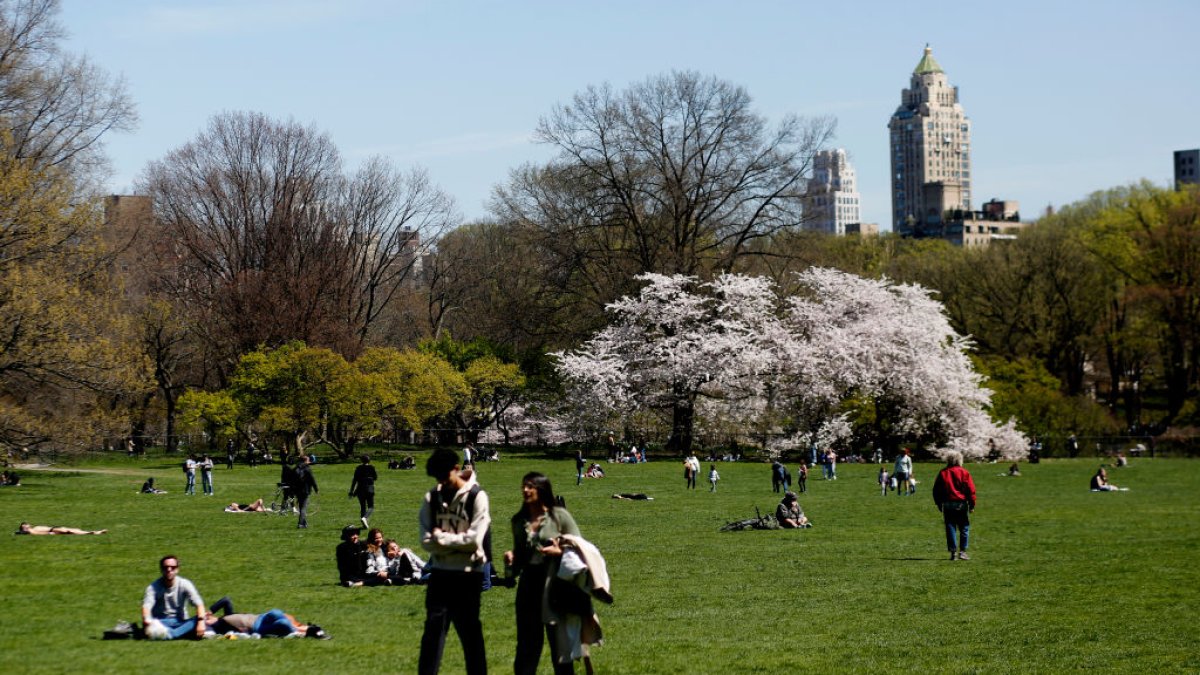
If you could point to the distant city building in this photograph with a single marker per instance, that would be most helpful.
(832, 203)
(998, 220)
(930, 151)
(1187, 167)
(863, 229)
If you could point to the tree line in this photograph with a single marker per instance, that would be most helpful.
(257, 255)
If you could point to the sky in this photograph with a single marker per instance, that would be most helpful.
(1065, 98)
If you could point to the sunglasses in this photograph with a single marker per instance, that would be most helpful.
(170, 567)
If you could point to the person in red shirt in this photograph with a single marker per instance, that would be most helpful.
(954, 494)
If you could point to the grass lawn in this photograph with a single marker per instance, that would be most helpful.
(1061, 578)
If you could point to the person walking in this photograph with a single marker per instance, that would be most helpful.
(580, 464)
(776, 475)
(535, 556)
(954, 494)
(362, 485)
(691, 469)
(901, 471)
(304, 487)
(455, 521)
(230, 453)
(802, 477)
(713, 477)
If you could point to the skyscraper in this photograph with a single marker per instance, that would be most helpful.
(931, 151)
(1187, 168)
(831, 201)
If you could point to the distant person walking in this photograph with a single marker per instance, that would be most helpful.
(902, 471)
(802, 477)
(713, 477)
(305, 486)
(691, 469)
(954, 494)
(776, 475)
(362, 485)
(230, 453)
(580, 465)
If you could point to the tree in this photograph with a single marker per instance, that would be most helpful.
(491, 383)
(274, 243)
(674, 175)
(54, 107)
(66, 352)
(800, 363)
(1151, 239)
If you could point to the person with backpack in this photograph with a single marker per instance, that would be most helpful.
(455, 525)
(535, 556)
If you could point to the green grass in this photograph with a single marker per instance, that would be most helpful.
(1062, 579)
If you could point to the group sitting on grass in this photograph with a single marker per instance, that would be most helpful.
(164, 613)
(10, 479)
(375, 562)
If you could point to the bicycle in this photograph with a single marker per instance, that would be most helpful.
(284, 502)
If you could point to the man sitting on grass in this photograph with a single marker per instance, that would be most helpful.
(164, 605)
(789, 514)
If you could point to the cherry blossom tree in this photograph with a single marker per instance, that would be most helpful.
(797, 369)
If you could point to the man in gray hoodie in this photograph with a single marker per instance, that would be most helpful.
(454, 524)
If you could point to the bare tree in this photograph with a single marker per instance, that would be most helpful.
(275, 243)
(676, 174)
(55, 106)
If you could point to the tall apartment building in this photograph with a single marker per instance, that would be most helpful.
(832, 202)
(930, 150)
(1187, 168)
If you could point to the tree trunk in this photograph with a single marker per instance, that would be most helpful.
(683, 420)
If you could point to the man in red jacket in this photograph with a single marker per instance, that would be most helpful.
(954, 494)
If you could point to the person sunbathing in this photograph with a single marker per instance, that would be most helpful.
(275, 623)
(255, 506)
(26, 528)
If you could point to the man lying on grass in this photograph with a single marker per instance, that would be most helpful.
(26, 528)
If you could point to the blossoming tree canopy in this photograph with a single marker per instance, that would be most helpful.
(734, 351)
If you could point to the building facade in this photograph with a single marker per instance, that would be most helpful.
(832, 203)
(930, 151)
(1187, 168)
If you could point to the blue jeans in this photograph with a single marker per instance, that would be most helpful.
(206, 478)
(956, 516)
(179, 628)
(191, 483)
(274, 622)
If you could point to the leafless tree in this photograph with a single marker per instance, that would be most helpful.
(274, 242)
(54, 106)
(676, 174)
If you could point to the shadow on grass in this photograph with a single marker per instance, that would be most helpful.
(940, 558)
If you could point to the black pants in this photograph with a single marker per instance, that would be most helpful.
(302, 504)
(366, 504)
(530, 627)
(453, 597)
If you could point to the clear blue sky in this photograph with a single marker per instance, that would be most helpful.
(1065, 97)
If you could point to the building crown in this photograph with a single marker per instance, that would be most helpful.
(927, 64)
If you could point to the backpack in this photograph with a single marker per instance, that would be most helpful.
(489, 570)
